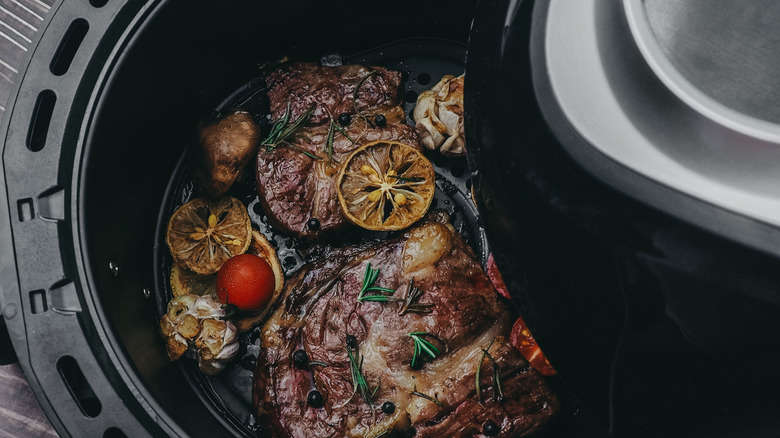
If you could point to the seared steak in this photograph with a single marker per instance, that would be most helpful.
(319, 309)
(294, 187)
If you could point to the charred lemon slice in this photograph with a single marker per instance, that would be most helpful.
(203, 233)
(386, 186)
(184, 281)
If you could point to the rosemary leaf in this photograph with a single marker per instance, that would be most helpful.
(318, 363)
(379, 298)
(422, 345)
(329, 141)
(479, 369)
(355, 97)
(498, 392)
(280, 131)
(368, 280)
(426, 396)
(359, 383)
(297, 123)
(410, 301)
(276, 129)
(303, 151)
(342, 131)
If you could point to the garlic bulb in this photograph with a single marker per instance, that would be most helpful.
(439, 117)
(194, 324)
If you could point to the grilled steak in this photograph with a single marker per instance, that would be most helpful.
(319, 309)
(294, 187)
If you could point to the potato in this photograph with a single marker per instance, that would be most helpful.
(225, 146)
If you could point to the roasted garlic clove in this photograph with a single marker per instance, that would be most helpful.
(217, 345)
(179, 307)
(195, 323)
(439, 117)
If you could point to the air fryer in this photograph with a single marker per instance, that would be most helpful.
(657, 325)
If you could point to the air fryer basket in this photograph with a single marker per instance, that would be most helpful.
(419, 60)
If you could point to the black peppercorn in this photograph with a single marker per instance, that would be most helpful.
(313, 224)
(490, 428)
(380, 120)
(315, 399)
(388, 407)
(301, 359)
(345, 119)
(352, 341)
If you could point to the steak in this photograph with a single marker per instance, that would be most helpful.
(293, 186)
(319, 309)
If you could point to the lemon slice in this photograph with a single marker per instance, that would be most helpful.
(203, 233)
(386, 186)
(184, 281)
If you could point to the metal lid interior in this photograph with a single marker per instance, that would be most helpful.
(663, 134)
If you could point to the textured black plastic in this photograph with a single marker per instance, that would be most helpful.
(42, 297)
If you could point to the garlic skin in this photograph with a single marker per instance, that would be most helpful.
(439, 117)
(194, 324)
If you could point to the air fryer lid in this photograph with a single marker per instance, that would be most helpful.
(674, 103)
(630, 212)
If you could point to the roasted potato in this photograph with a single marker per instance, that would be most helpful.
(225, 146)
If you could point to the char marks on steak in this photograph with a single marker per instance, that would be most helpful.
(295, 188)
(319, 308)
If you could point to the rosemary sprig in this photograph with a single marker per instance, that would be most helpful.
(421, 346)
(498, 391)
(355, 97)
(359, 382)
(410, 305)
(342, 131)
(332, 128)
(329, 140)
(277, 128)
(303, 151)
(426, 396)
(368, 280)
(281, 131)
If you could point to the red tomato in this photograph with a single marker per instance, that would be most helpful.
(495, 277)
(247, 281)
(522, 339)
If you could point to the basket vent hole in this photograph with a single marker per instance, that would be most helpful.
(79, 388)
(100, 4)
(38, 303)
(410, 96)
(114, 432)
(26, 209)
(68, 47)
(41, 117)
(424, 79)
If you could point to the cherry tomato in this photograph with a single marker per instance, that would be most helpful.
(522, 339)
(495, 277)
(246, 281)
